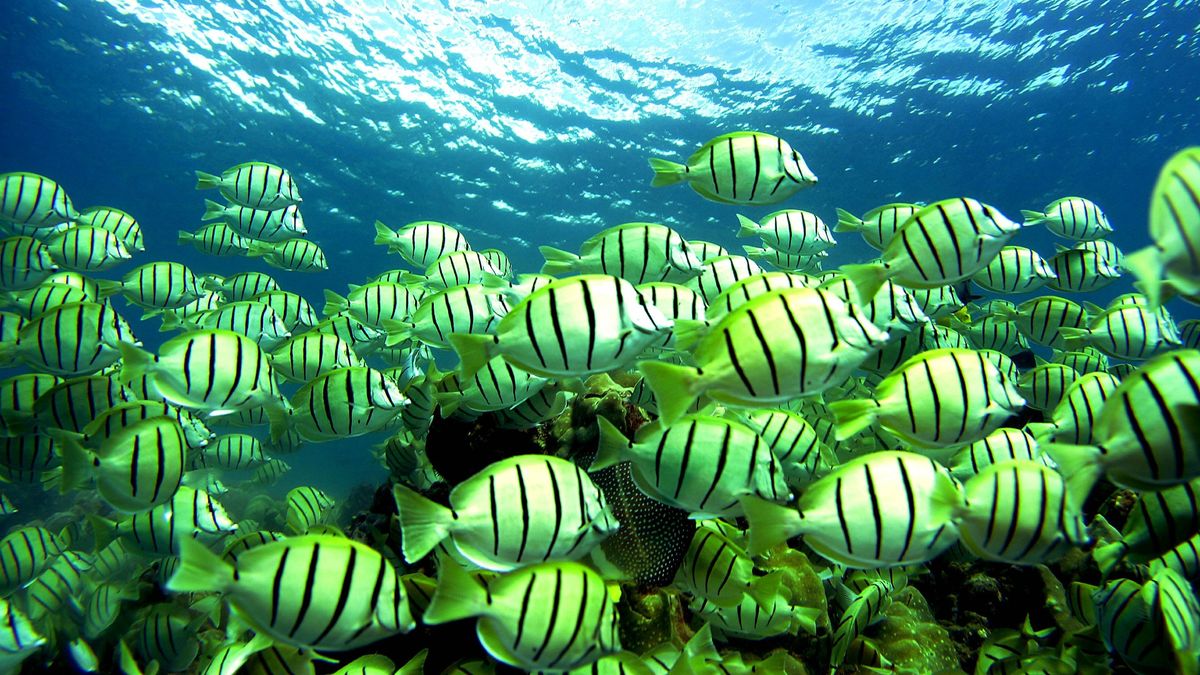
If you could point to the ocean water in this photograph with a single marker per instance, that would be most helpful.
(529, 123)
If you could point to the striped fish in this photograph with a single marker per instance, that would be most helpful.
(242, 286)
(73, 404)
(1148, 433)
(806, 264)
(75, 339)
(118, 222)
(375, 302)
(1081, 271)
(216, 239)
(156, 285)
(259, 224)
(1130, 332)
(87, 249)
(293, 309)
(315, 591)
(232, 451)
(779, 345)
(675, 302)
(121, 415)
(27, 459)
(744, 290)
(1084, 360)
(29, 199)
(1189, 333)
(1041, 319)
(752, 620)
(1174, 229)
(293, 255)
(576, 326)
(500, 260)
(943, 243)
(18, 394)
(892, 309)
(880, 510)
(700, 463)
(307, 506)
(549, 402)
(235, 546)
(717, 569)
(307, 356)
(636, 252)
(1071, 218)
(1184, 559)
(19, 639)
(258, 185)
(789, 231)
(458, 268)
(363, 338)
(879, 225)
(341, 403)
(166, 634)
(60, 588)
(939, 398)
(104, 606)
(1015, 269)
(1022, 513)
(1158, 524)
(744, 167)
(990, 332)
(270, 472)
(938, 302)
(255, 320)
(1072, 419)
(1141, 623)
(34, 302)
(465, 309)
(794, 442)
(1045, 385)
(27, 263)
(421, 243)
(502, 517)
(866, 607)
(554, 615)
(24, 554)
(495, 386)
(216, 371)
(190, 515)
(706, 250)
(10, 328)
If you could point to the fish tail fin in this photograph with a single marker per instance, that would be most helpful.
(1043, 432)
(334, 303)
(448, 401)
(103, 530)
(213, 210)
(186, 237)
(848, 222)
(258, 249)
(688, 332)
(763, 589)
(1108, 556)
(384, 235)
(170, 321)
(1074, 337)
(474, 351)
(109, 288)
(458, 596)
(1031, 217)
(207, 181)
(854, 415)
(200, 570)
(675, 387)
(76, 464)
(667, 172)
(867, 279)
(423, 523)
(136, 363)
(612, 446)
(415, 665)
(1079, 465)
(748, 228)
(558, 262)
(278, 420)
(1146, 265)
(770, 524)
(398, 332)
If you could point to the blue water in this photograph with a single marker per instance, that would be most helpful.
(530, 123)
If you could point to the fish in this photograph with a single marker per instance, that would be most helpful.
(18, 394)
(258, 224)
(880, 510)
(215, 371)
(241, 286)
(459, 268)
(961, 396)
(341, 594)
(698, 463)
(465, 309)
(257, 185)
(576, 326)
(1021, 512)
(20, 638)
(190, 515)
(1174, 231)
(71, 340)
(120, 223)
(307, 507)
(1151, 626)
(295, 312)
(552, 615)
(720, 273)
(767, 351)
(790, 231)
(636, 252)
(1081, 271)
(1130, 332)
(341, 403)
(1045, 385)
(293, 255)
(36, 301)
(27, 263)
(754, 620)
(166, 634)
(1071, 420)
(233, 452)
(705, 250)
(29, 199)
(307, 356)
(1158, 523)
(376, 302)
(1071, 218)
(762, 168)
(717, 570)
(794, 442)
(1015, 270)
(109, 422)
(879, 225)
(743, 291)
(156, 286)
(216, 239)
(1041, 319)
(497, 386)
(421, 243)
(501, 518)
(255, 320)
(25, 553)
(136, 468)
(86, 249)
(805, 264)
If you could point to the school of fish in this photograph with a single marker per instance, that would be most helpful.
(869, 416)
